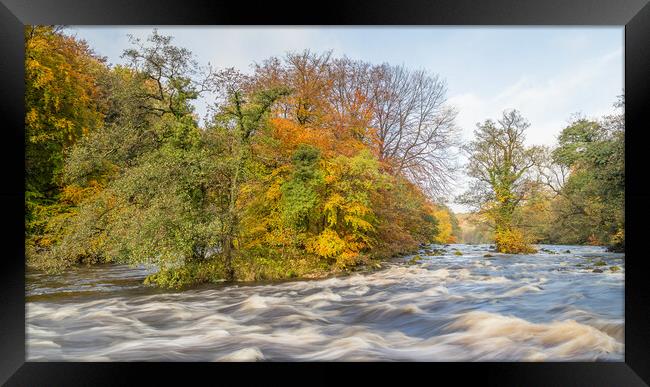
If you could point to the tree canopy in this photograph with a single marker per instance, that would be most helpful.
(501, 165)
(571, 193)
(290, 176)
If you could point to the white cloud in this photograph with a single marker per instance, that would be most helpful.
(590, 87)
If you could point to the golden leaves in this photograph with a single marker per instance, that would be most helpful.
(327, 244)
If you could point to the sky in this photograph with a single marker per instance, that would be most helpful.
(547, 73)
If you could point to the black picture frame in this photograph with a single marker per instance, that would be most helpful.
(633, 14)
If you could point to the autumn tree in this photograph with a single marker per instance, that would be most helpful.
(62, 103)
(171, 72)
(401, 114)
(590, 202)
(501, 166)
(306, 75)
(415, 127)
(241, 119)
(132, 126)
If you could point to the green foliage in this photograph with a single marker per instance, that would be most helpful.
(347, 212)
(128, 186)
(584, 199)
(166, 71)
(406, 219)
(501, 167)
(300, 194)
(592, 199)
(193, 273)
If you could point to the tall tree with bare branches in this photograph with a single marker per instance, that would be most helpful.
(415, 126)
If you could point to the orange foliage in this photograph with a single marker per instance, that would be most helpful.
(330, 141)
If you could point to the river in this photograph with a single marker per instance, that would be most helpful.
(549, 306)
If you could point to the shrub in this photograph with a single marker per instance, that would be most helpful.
(512, 241)
(189, 274)
(415, 260)
(617, 243)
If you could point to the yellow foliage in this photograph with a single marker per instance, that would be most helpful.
(445, 230)
(331, 208)
(45, 241)
(619, 237)
(61, 88)
(357, 223)
(75, 194)
(512, 241)
(327, 244)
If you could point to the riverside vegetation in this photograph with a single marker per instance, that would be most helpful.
(308, 166)
(573, 193)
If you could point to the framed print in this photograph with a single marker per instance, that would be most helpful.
(195, 189)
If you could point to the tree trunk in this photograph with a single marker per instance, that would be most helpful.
(228, 244)
(227, 251)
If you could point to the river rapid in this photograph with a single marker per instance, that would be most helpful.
(549, 306)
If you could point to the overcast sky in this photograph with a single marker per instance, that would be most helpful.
(547, 73)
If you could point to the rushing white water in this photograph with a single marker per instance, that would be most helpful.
(549, 306)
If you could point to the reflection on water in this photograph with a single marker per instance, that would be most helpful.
(549, 306)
